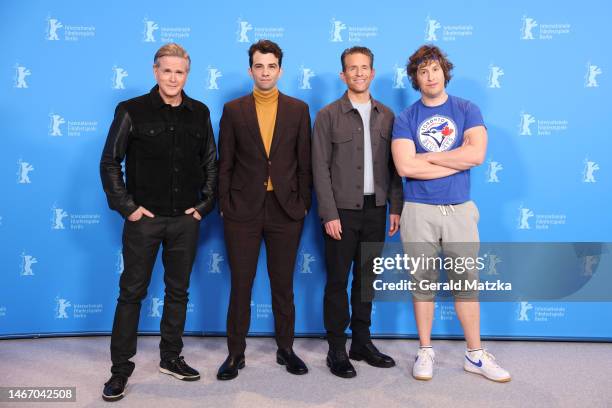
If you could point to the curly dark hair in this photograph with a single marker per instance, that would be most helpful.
(423, 56)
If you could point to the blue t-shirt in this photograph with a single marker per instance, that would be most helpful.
(438, 129)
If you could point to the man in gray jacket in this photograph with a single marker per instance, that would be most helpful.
(354, 177)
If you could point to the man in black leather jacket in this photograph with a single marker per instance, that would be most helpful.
(170, 156)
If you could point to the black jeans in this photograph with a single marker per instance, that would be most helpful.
(358, 226)
(141, 241)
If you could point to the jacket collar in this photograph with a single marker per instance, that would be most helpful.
(347, 106)
(158, 102)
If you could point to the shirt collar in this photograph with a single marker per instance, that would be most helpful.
(158, 102)
(347, 106)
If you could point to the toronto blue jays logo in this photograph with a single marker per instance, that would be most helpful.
(437, 134)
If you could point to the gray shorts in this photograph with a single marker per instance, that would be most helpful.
(440, 233)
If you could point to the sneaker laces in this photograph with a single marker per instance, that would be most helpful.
(488, 356)
(422, 353)
(116, 380)
(340, 355)
(180, 362)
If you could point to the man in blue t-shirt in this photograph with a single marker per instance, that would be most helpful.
(436, 141)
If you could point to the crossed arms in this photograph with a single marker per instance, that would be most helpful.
(433, 165)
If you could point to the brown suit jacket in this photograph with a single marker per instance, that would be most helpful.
(244, 166)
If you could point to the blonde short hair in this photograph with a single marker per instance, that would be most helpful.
(171, 50)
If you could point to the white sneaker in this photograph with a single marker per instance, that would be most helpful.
(423, 364)
(483, 363)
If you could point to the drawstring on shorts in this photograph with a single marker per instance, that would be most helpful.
(446, 209)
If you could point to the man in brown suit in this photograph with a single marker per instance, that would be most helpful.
(264, 192)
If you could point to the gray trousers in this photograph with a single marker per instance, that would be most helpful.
(437, 233)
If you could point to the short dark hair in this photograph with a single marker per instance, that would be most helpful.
(266, 47)
(424, 55)
(357, 50)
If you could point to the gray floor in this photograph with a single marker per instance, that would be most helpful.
(545, 374)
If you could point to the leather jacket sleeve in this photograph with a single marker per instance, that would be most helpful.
(208, 162)
(110, 164)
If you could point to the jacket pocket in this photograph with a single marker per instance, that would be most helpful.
(385, 134)
(195, 139)
(151, 145)
(342, 137)
(151, 130)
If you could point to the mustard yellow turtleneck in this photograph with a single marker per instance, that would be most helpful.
(266, 105)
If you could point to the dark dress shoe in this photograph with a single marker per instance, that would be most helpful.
(371, 355)
(339, 364)
(229, 368)
(289, 359)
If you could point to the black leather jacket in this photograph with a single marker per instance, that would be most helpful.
(170, 157)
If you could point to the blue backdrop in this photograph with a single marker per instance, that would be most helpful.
(538, 71)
